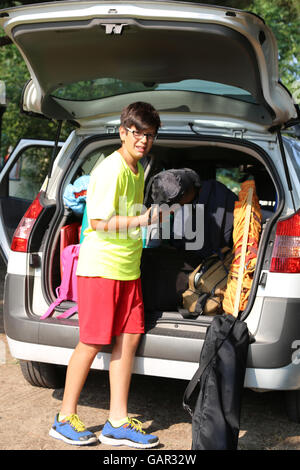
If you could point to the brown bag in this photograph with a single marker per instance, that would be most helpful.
(207, 284)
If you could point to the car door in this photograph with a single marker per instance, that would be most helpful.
(21, 178)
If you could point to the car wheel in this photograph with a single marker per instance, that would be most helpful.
(292, 405)
(44, 375)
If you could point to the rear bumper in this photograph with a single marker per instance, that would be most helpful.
(270, 359)
(277, 333)
(284, 378)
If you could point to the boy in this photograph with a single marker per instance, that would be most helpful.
(109, 289)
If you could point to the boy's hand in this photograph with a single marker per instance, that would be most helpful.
(153, 215)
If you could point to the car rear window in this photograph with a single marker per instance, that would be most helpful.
(105, 87)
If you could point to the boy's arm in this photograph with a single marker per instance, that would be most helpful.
(120, 223)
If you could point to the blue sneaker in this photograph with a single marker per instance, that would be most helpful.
(72, 431)
(129, 434)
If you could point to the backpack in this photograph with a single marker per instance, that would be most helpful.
(220, 381)
(207, 285)
(68, 287)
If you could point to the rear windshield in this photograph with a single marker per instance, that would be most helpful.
(293, 148)
(106, 87)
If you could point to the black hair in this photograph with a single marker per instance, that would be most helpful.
(141, 115)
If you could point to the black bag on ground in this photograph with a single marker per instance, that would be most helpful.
(220, 381)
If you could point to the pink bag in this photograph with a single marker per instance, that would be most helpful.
(69, 235)
(68, 288)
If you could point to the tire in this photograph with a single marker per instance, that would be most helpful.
(40, 374)
(292, 405)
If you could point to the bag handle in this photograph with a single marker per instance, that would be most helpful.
(226, 330)
(51, 309)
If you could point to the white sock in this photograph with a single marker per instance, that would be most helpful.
(61, 417)
(120, 422)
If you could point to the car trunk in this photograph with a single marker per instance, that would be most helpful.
(225, 84)
(165, 269)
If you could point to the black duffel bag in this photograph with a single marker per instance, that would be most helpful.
(219, 381)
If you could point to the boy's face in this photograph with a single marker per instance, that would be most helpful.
(137, 143)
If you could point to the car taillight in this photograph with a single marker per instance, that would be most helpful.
(22, 233)
(286, 251)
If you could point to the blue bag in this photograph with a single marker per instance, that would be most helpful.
(75, 194)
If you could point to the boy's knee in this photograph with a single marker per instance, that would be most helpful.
(89, 348)
(135, 338)
(128, 340)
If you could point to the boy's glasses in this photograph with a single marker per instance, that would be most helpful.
(140, 135)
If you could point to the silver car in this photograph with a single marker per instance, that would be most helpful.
(211, 72)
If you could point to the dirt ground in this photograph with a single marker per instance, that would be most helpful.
(27, 412)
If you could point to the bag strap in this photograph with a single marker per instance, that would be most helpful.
(68, 313)
(200, 304)
(226, 330)
(203, 296)
(51, 308)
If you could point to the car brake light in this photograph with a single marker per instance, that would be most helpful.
(286, 251)
(22, 233)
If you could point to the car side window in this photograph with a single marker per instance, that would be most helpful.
(29, 172)
(95, 158)
(230, 177)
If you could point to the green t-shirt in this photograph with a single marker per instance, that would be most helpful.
(113, 190)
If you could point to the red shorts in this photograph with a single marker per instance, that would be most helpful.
(107, 308)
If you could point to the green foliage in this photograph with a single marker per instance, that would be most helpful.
(283, 17)
(230, 177)
(16, 125)
(98, 88)
(16, 3)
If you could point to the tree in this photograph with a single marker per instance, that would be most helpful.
(14, 73)
(283, 17)
(16, 125)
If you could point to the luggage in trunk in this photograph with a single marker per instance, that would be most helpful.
(164, 273)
